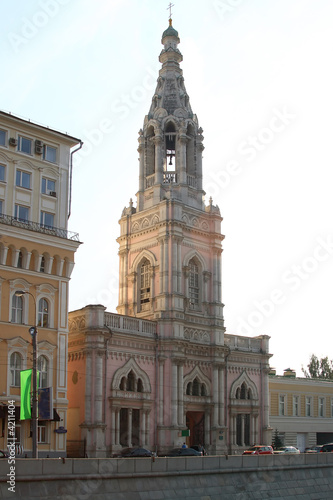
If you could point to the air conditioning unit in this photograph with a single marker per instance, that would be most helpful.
(53, 193)
(38, 147)
(13, 141)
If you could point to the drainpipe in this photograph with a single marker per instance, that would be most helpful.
(70, 179)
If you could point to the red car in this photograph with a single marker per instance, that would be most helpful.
(259, 450)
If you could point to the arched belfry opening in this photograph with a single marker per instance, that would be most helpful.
(170, 147)
(150, 151)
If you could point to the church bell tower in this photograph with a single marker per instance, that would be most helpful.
(170, 245)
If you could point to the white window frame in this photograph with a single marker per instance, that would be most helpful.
(282, 404)
(43, 374)
(43, 216)
(308, 406)
(46, 189)
(17, 214)
(15, 302)
(42, 432)
(20, 176)
(42, 313)
(15, 370)
(321, 407)
(21, 138)
(3, 133)
(3, 168)
(296, 406)
(47, 150)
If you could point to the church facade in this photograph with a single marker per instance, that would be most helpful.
(163, 370)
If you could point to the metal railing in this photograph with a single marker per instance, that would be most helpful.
(39, 228)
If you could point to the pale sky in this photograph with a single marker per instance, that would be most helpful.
(260, 79)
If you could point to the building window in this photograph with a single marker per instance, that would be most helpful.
(43, 313)
(193, 284)
(42, 432)
(282, 401)
(46, 219)
(42, 265)
(48, 186)
(145, 285)
(50, 154)
(20, 260)
(17, 309)
(43, 367)
(21, 213)
(1, 207)
(321, 407)
(23, 179)
(24, 145)
(15, 369)
(295, 406)
(308, 406)
(2, 137)
(2, 173)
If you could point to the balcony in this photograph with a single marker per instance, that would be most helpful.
(39, 228)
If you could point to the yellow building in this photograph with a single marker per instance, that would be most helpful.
(37, 258)
(301, 409)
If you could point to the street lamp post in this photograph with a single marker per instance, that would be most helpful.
(34, 416)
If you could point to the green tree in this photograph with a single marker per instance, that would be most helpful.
(277, 441)
(319, 368)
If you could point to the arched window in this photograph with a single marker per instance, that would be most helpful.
(43, 368)
(193, 284)
(43, 313)
(170, 147)
(140, 386)
(42, 265)
(122, 386)
(145, 285)
(243, 391)
(15, 368)
(238, 393)
(203, 390)
(20, 260)
(17, 309)
(130, 381)
(249, 394)
(196, 387)
(189, 389)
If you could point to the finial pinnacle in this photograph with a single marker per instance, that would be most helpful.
(170, 22)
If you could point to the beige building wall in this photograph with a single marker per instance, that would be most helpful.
(301, 409)
(36, 257)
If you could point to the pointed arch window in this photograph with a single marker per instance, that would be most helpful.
(194, 284)
(43, 313)
(170, 147)
(17, 309)
(145, 295)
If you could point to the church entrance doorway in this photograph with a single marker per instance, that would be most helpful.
(195, 422)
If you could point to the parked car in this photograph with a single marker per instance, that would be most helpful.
(3, 454)
(184, 452)
(259, 449)
(198, 447)
(134, 453)
(286, 449)
(313, 449)
(327, 448)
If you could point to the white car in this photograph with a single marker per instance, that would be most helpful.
(286, 449)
